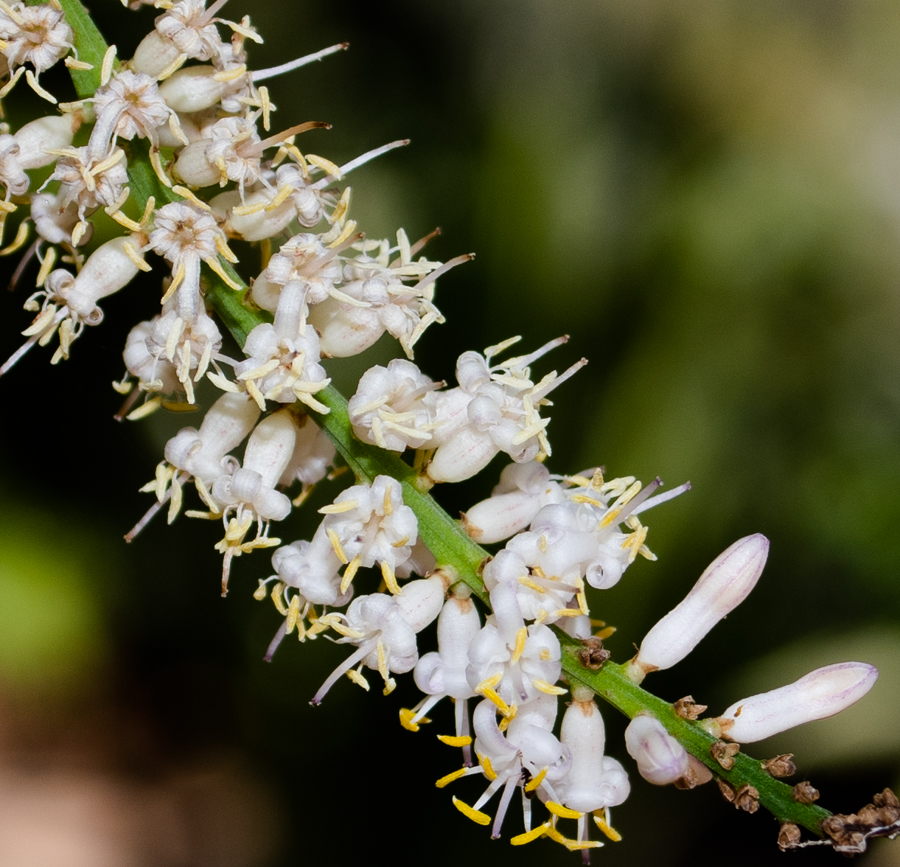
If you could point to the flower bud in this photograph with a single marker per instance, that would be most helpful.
(723, 585)
(193, 89)
(820, 694)
(660, 758)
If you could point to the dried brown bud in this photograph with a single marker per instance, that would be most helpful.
(724, 753)
(780, 766)
(592, 655)
(805, 793)
(747, 798)
(726, 789)
(686, 708)
(788, 836)
(850, 834)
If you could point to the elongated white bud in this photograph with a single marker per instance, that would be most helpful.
(820, 694)
(723, 585)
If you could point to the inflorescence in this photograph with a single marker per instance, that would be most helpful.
(176, 146)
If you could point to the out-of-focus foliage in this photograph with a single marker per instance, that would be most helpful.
(706, 198)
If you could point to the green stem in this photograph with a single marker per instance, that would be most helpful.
(454, 551)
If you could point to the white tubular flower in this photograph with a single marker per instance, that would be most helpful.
(723, 585)
(370, 524)
(201, 453)
(514, 670)
(526, 756)
(54, 223)
(248, 492)
(29, 148)
(502, 413)
(513, 504)
(602, 508)
(186, 235)
(660, 758)
(443, 673)
(168, 355)
(304, 259)
(128, 105)
(384, 630)
(393, 406)
(820, 694)
(313, 456)
(38, 35)
(69, 302)
(251, 488)
(89, 183)
(186, 30)
(594, 782)
(312, 569)
(378, 299)
(284, 357)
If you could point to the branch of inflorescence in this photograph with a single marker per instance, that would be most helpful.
(456, 554)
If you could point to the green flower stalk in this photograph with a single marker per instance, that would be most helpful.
(179, 151)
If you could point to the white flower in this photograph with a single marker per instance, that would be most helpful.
(393, 406)
(370, 524)
(501, 413)
(38, 35)
(128, 105)
(283, 361)
(526, 756)
(384, 630)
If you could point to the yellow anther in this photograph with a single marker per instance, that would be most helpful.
(349, 573)
(566, 612)
(521, 637)
(488, 769)
(561, 811)
(547, 688)
(491, 695)
(293, 615)
(544, 654)
(229, 75)
(20, 239)
(382, 660)
(455, 740)
(388, 505)
(576, 845)
(528, 836)
(46, 266)
(230, 282)
(533, 585)
(607, 829)
(177, 276)
(532, 784)
(490, 683)
(338, 548)
(390, 579)
(469, 813)
(260, 593)
(389, 686)
(406, 720)
(337, 508)
(554, 835)
(449, 778)
(358, 679)
(603, 634)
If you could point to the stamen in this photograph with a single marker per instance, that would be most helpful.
(263, 74)
(469, 813)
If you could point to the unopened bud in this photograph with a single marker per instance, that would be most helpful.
(721, 588)
(660, 758)
(820, 694)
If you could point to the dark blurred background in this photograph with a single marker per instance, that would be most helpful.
(706, 198)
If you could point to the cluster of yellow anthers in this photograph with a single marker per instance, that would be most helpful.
(320, 291)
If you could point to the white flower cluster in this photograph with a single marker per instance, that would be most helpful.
(320, 291)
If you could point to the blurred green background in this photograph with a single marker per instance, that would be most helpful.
(706, 198)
